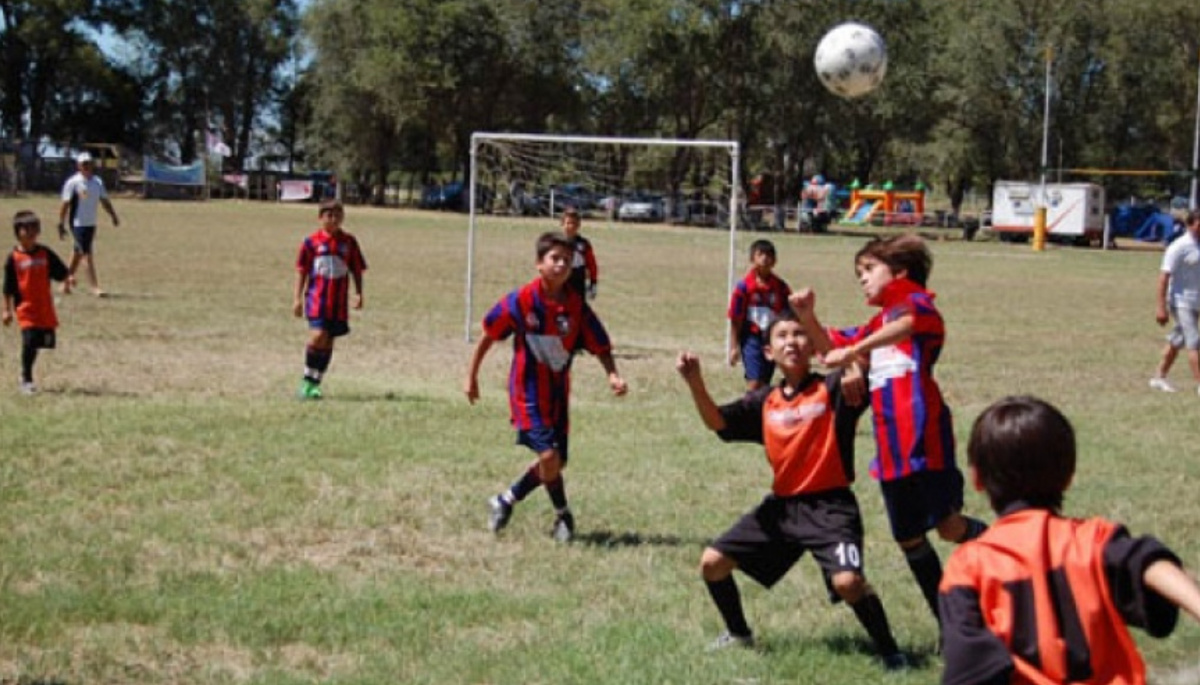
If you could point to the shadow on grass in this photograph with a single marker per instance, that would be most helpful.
(611, 539)
(363, 397)
(26, 680)
(77, 391)
(843, 645)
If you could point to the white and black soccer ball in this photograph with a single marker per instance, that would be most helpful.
(851, 60)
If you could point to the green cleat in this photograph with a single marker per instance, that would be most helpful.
(309, 390)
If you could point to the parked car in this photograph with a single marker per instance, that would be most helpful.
(453, 197)
(641, 208)
(574, 195)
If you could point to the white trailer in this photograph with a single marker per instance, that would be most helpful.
(1074, 211)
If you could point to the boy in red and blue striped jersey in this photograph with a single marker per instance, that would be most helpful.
(329, 259)
(914, 434)
(548, 321)
(756, 301)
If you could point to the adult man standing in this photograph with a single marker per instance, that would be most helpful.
(82, 194)
(1179, 290)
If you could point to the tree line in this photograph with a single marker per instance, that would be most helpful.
(378, 88)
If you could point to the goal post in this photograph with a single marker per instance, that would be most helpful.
(517, 175)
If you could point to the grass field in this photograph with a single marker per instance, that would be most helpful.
(171, 513)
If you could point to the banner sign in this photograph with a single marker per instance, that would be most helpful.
(166, 174)
(295, 191)
(239, 180)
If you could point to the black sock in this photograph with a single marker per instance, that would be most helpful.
(316, 361)
(729, 602)
(927, 569)
(29, 355)
(557, 489)
(975, 528)
(871, 615)
(527, 483)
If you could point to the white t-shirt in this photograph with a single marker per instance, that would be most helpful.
(1182, 261)
(87, 194)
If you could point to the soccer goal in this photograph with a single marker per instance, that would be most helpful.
(520, 184)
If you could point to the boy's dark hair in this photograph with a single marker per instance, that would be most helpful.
(570, 211)
(1023, 449)
(329, 206)
(761, 245)
(906, 252)
(550, 240)
(785, 315)
(25, 219)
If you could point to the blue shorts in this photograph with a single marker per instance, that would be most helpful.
(916, 503)
(335, 329)
(84, 235)
(541, 439)
(755, 362)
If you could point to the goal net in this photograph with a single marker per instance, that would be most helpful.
(520, 184)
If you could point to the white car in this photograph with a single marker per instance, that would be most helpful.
(641, 208)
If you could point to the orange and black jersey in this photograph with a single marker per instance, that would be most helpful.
(27, 277)
(808, 433)
(1040, 598)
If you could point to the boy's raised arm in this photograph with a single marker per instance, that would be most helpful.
(804, 305)
(891, 332)
(688, 366)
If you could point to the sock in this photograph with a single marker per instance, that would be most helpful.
(871, 615)
(975, 528)
(927, 569)
(557, 489)
(316, 361)
(520, 489)
(29, 355)
(729, 602)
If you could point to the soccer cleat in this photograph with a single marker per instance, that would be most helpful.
(28, 388)
(896, 662)
(499, 512)
(309, 390)
(727, 639)
(564, 527)
(1160, 383)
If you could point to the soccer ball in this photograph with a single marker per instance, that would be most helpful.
(851, 60)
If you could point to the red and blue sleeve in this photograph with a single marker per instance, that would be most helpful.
(500, 321)
(595, 337)
(589, 262)
(737, 304)
(844, 337)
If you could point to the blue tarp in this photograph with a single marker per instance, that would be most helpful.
(1143, 222)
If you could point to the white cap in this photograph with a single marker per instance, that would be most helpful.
(83, 158)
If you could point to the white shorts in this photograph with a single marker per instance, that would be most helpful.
(1185, 332)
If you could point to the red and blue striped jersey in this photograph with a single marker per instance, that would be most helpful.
(913, 426)
(329, 260)
(546, 333)
(754, 305)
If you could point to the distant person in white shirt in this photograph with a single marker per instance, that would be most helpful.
(82, 194)
(1179, 288)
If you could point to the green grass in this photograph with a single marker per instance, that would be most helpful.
(172, 514)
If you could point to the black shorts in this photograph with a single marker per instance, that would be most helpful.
(767, 541)
(84, 235)
(38, 338)
(915, 503)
